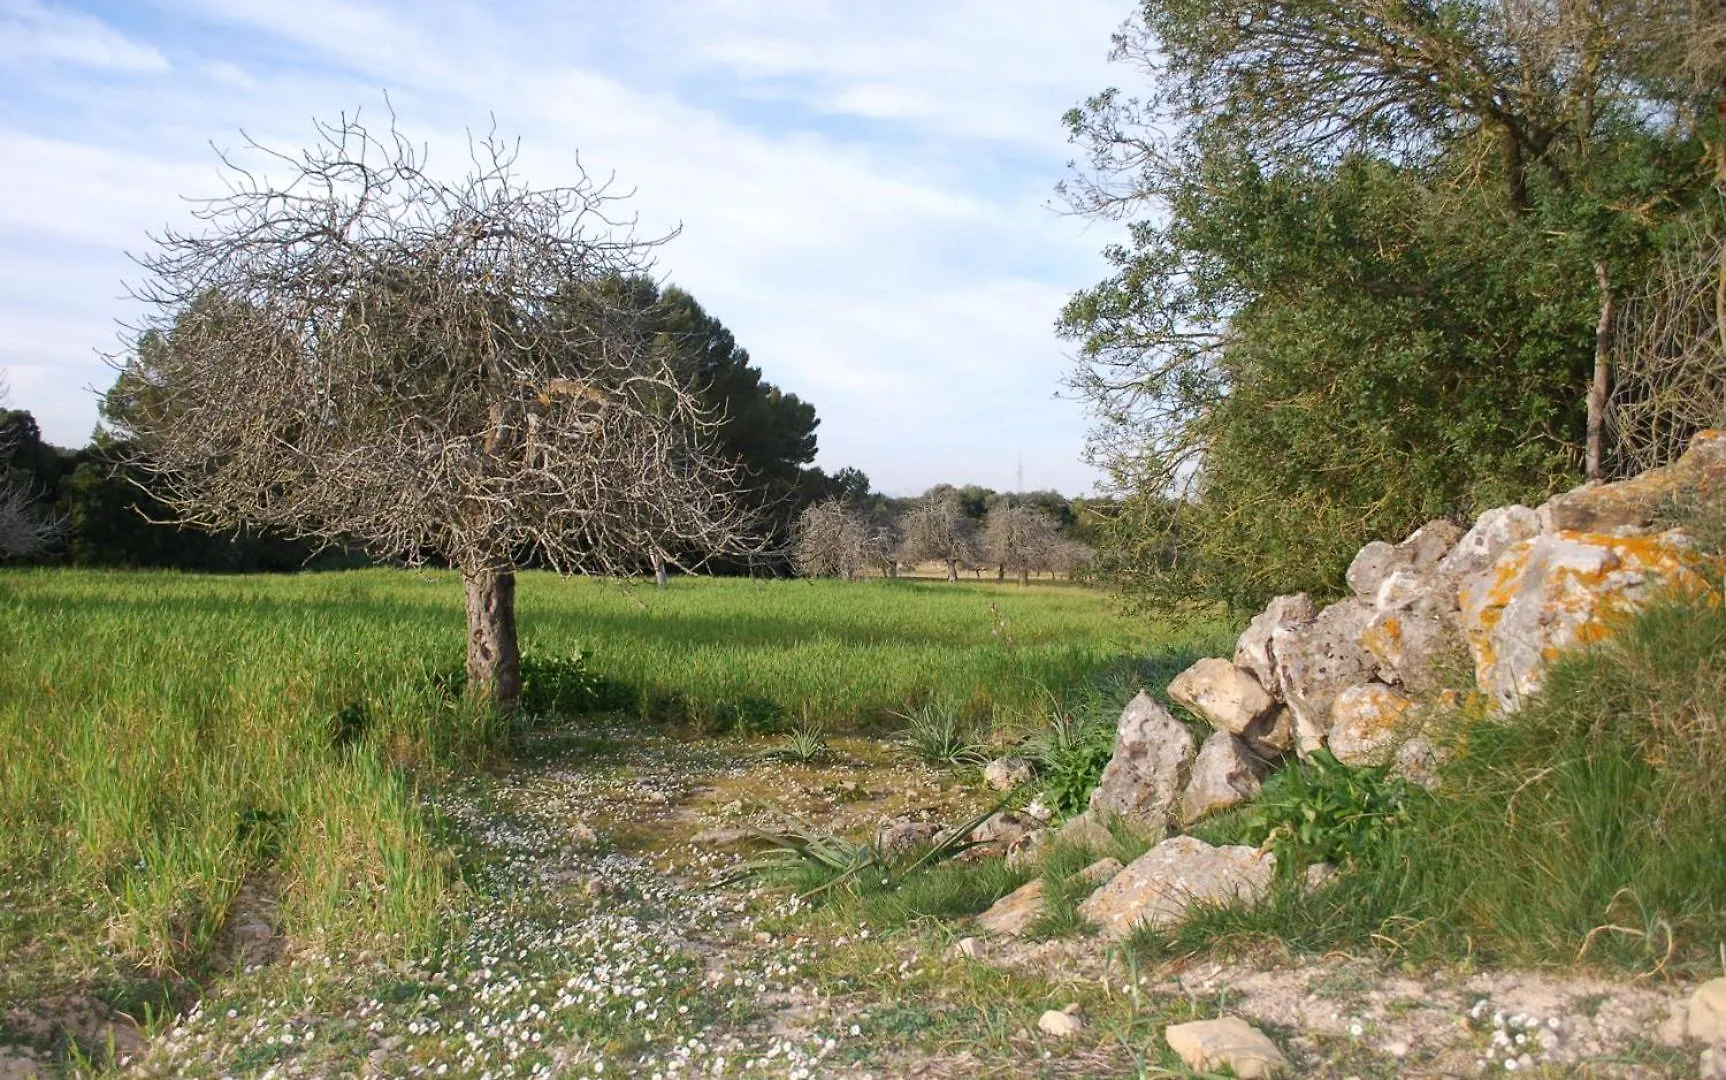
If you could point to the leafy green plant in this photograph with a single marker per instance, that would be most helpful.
(1324, 811)
(935, 734)
(1072, 752)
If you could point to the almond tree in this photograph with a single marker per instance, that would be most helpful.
(937, 528)
(1018, 539)
(832, 540)
(24, 530)
(349, 350)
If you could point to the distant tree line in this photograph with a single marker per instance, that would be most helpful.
(964, 530)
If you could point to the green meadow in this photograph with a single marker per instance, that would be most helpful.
(167, 739)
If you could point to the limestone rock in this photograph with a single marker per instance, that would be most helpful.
(1318, 876)
(1039, 810)
(1101, 872)
(1419, 553)
(968, 947)
(1706, 1022)
(1157, 887)
(1152, 757)
(1481, 546)
(1087, 832)
(1014, 913)
(1635, 503)
(1712, 1064)
(1255, 651)
(898, 835)
(1228, 697)
(1025, 848)
(1318, 661)
(1364, 723)
(1005, 828)
(1417, 761)
(1006, 773)
(1272, 735)
(1557, 591)
(17, 1063)
(1208, 1046)
(1061, 1023)
(1414, 648)
(1225, 774)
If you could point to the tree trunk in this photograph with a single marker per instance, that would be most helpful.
(493, 656)
(952, 570)
(1001, 573)
(1602, 375)
(658, 570)
(1024, 577)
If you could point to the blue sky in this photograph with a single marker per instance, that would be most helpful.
(865, 188)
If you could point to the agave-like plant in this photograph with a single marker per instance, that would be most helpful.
(934, 733)
(805, 745)
(800, 842)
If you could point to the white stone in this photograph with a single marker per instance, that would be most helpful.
(1153, 755)
(1706, 1022)
(1006, 773)
(1320, 660)
(1208, 1046)
(1256, 650)
(1365, 723)
(1228, 697)
(1225, 774)
(1157, 888)
(1061, 1023)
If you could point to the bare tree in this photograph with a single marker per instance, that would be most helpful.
(1018, 539)
(937, 528)
(24, 529)
(832, 540)
(355, 352)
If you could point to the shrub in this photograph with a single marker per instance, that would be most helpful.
(935, 734)
(1321, 811)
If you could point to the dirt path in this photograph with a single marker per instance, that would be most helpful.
(598, 945)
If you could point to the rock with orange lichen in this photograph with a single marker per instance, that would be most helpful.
(1560, 590)
(1366, 721)
(1637, 502)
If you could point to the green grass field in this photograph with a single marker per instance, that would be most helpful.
(165, 739)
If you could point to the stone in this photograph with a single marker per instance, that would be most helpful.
(1272, 735)
(1419, 554)
(1364, 724)
(1005, 828)
(898, 835)
(582, 835)
(1318, 876)
(722, 837)
(1417, 761)
(1224, 774)
(1086, 831)
(16, 1063)
(1038, 809)
(1481, 546)
(1706, 1022)
(968, 947)
(1255, 651)
(1061, 1023)
(1712, 1064)
(1006, 773)
(1229, 698)
(1026, 848)
(1014, 913)
(1558, 591)
(1319, 661)
(1101, 872)
(1229, 1042)
(1157, 888)
(1415, 648)
(1637, 502)
(1152, 757)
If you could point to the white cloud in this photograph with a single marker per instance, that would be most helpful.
(861, 187)
(34, 31)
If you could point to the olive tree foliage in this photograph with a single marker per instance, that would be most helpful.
(1019, 540)
(24, 529)
(937, 528)
(348, 349)
(834, 540)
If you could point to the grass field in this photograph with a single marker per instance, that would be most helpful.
(167, 739)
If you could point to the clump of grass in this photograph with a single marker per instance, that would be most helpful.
(805, 745)
(935, 734)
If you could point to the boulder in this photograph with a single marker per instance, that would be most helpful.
(1636, 503)
(1152, 757)
(1087, 832)
(1230, 698)
(1224, 774)
(1006, 773)
(1419, 553)
(1320, 660)
(1005, 828)
(1101, 872)
(1706, 1019)
(1255, 651)
(1481, 546)
(1156, 888)
(1364, 723)
(1414, 648)
(1560, 590)
(1014, 913)
(898, 835)
(1209, 1046)
(1272, 735)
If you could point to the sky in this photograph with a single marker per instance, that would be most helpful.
(864, 190)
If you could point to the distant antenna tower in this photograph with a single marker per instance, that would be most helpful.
(1021, 480)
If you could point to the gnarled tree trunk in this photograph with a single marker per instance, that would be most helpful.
(952, 569)
(493, 656)
(1601, 384)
